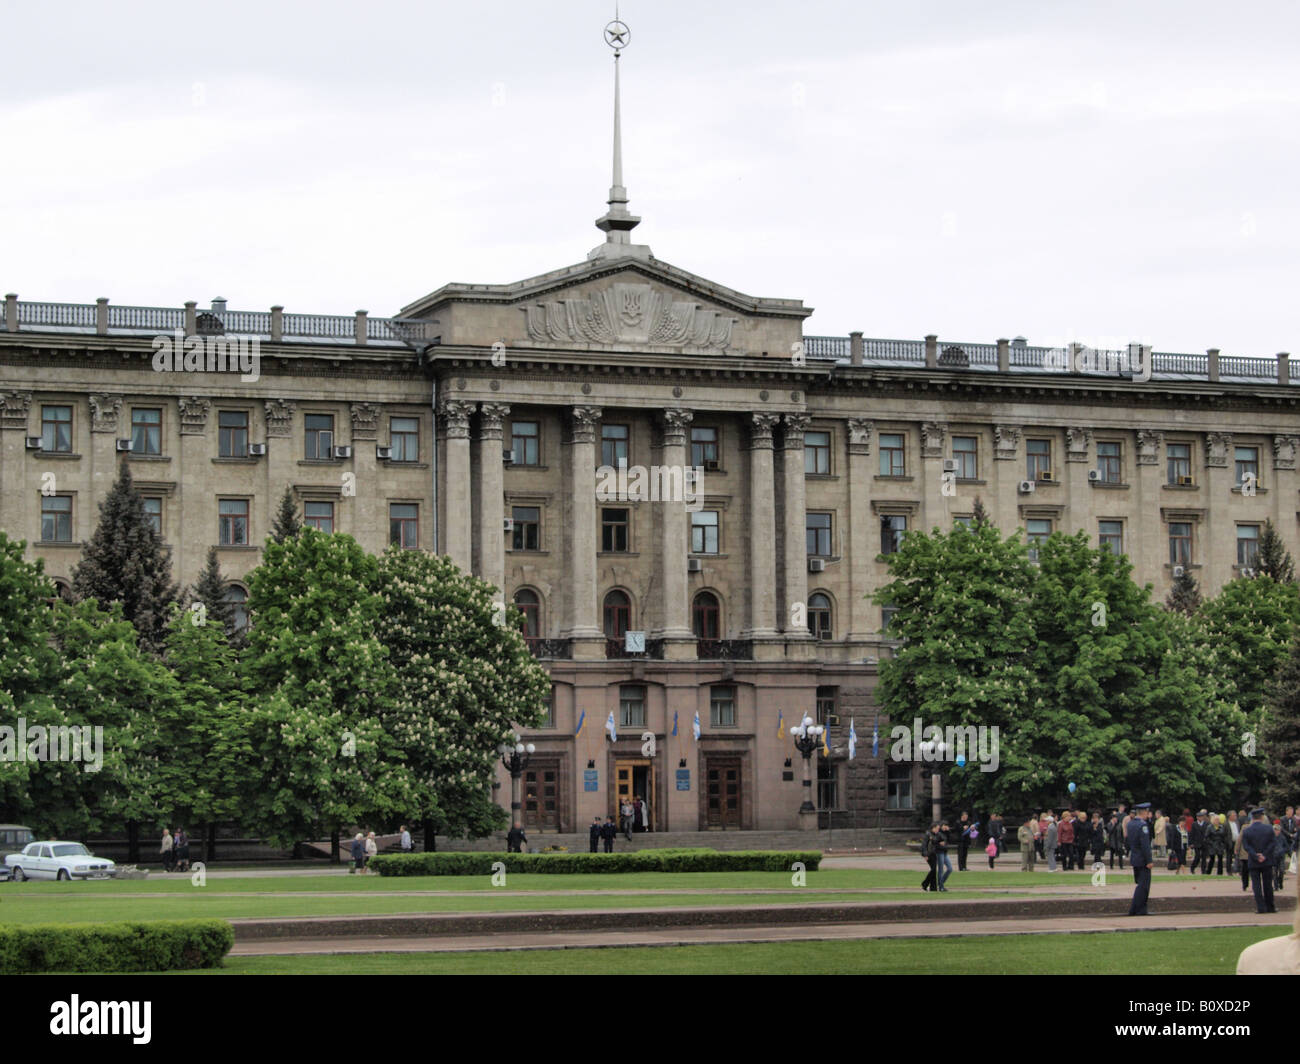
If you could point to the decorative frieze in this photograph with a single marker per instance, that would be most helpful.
(105, 411)
(1006, 442)
(365, 421)
(279, 417)
(13, 410)
(1149, 443)
(194, 415)
(1217, 447)
(1077, 441)
(932, 437)
(629, 313)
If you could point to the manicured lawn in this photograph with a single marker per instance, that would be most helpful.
(1180, 952)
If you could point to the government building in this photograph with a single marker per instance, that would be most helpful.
(473, 424)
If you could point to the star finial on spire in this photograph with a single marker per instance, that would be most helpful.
(617, 222)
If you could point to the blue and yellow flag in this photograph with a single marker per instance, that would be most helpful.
(826, 750)
(780, 723)
(581, 721)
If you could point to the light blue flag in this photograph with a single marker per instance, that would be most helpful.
(875, 738)
(853, 740)
(696, 728)
(609, 727)
(674, 724)
(581, 721)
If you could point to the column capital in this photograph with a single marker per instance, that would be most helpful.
(1284, 451)
(584, 420)
(1077, 441)
(491, 416)
(1217, 446)
(365, 421)
(13, 410)
(455, 414)
(1006, 442)
(932, 437)
(795, 426)
(760, 431)
(279, 416)
(104, 412)
(194, 415)
(861, 430)
(1149, 441)
(675, 423)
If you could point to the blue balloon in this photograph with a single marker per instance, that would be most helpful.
(961, 760)
(1072, 788)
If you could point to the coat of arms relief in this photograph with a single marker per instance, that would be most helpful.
(626, 313)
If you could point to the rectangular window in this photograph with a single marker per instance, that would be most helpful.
(232, 433)
(1179, 463)
(525, 437)
(828, 784)
(613, 530)
(528, 528)
(819, 534)
(1108, 462)
(1038, 459)
(817, 452)
(404, 438)
(146, 430)
(887, 614)
(1248, 545)
(631, 707)
(320, 437)
(233, 520)
(892, 528)
(722, 707)
(826, 697)
(1110, 536)
(548, 708)
(1180, 543)
(153, 513)
(319, 515)
(613, 445)
(1036, 533)
(899, 782)
(891, 455)
(965, 452)
(1248, 467)
(56, 518)
(56, 429)
(704, 532)
(404, 524)
(704, 447)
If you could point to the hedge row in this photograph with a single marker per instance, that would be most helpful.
(480, 864)
(156, 946)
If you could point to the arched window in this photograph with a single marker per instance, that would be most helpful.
(706, 616)
(530, 605)
(618, 614)
(62, 590)
(819, 616)
(238, 599)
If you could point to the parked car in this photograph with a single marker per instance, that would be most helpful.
(59, 860)
(13, 837)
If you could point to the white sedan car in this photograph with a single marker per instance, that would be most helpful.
(58, 860)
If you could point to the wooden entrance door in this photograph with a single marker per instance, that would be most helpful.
(541, 798)
(722, 781)
(633, 778)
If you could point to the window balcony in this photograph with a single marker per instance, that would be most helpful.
(725, 650)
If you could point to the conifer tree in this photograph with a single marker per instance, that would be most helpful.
(981, 517)
(210, 589)
(1280, 736)
(286, 518)
(1185, 596)
(1274, 560)
(126, 561)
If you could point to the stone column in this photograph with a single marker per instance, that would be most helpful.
(861, 550)
(795, 526)
(456, 532)
(278, 467)
(934, 506)
(19, 512)
(1144, 543)
(491, 502)
(583, 621)
(1218, 528)
(675, 630)
(363, 514)
(762, 530)
(196, 530)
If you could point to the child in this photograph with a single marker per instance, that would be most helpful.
(992, 850)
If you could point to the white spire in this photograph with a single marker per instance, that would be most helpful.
(617, 223)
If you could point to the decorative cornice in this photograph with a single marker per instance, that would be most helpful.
(491, 417)
(279, 417)
(455, 416)
(1149, 441)
(1077, 441)
(105, 411)
(194, 415)
(1006, 442)
(932, 437)
(365, 421)
(13, 410)
(583, 421)
(1217, 446)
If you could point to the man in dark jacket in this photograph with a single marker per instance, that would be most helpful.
(607, 832)
(930, 851)
(1115, 838)
(358, 852)
(963, 840)
(593, 835)
(515, 839)
(1196, 842)
(1139, 855)
(1258, 842)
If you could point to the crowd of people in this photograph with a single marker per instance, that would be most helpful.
(175, 850)
(1208, 842)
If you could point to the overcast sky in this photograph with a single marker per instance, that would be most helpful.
(1101, 172)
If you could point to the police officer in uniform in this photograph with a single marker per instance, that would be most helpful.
(1257, 841)
(1138, 839)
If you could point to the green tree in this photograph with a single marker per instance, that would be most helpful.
(1274, 560)
(464, 680)
(126, 561)
(1185, 595)
(286, 518)
(210, 590)
(1280, 741)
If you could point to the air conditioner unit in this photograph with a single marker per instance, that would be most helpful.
(816, 565)
(711, 465)
(509, 524)
(257, 449)
(694, 565)
(1094, 475)
(383, 453)
(1026, 487)
(1045, 474)
(1186, 482)
(508, 457)
(1178, 571)
(34, 443)
(342, 452)
(950, 465)
(123, 445)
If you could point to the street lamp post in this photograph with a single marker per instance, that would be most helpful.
(515, 759)
(807, 738)
(935, 753)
